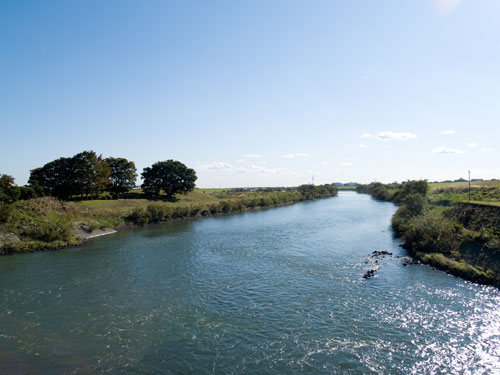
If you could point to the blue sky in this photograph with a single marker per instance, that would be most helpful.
(255, 93)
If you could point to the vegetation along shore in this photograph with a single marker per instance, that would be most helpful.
(72, 199)
(440, 226)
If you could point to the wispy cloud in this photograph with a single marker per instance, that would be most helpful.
(446, 150)
(472, 145)
(253, 156)
(298, 155)
(346, 164)
(487, 149)
(362, 145)
(240, 161)
(448, 132)
(218, 165)
(395, 136)
(251, 168)
(366, 135)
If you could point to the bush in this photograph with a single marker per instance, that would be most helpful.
(413, 205)
(5, 211)
(461, 269)
(156, 213)
(432, 233)
(138, 216)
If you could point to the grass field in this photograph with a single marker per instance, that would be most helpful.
(347, 187)
(482, 192)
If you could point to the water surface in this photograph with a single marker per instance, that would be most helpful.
(269, 292)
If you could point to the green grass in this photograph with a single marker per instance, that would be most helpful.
(459, 268)
(346, 187)
(482, 192)
(492, 183)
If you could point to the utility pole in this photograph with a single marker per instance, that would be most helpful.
(469, 185)
(313, 179)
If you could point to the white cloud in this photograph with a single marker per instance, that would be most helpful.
(218, 165)
(253, 168)
(392, 136)
(487, 149)
(240, 161)
(446, 150)
(346, 164)
(324, 163)
(448, 132)
(472, 145)
(298, 155)
(253, 156)
(362, 145)
(366, 135)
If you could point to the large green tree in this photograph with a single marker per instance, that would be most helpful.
(123, 175)
(92, 173)
(56, 178)
(84, 175)
(171, 176)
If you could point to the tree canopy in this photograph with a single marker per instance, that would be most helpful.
(85, 175)
(123, 175)
(171, 176)
(8, 191)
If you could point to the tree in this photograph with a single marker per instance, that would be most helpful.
(171, 176)
(411, 187)
(8, 190)
(56, 178)
(84, 174)
(123, 175)
(92, 173)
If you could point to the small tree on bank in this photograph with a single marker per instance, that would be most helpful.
(171, 176)
(8, 191)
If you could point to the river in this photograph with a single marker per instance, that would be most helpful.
(278, 291)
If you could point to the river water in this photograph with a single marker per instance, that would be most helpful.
(278, 291)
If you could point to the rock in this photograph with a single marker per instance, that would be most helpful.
(83, 232)
(369, 274)
(8, 239)
(407, 261)
(380, 253)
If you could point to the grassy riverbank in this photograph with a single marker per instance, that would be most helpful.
(47, 223)
(442, 228)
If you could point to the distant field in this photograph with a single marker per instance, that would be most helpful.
(346, 187)
(434, 185)
(482, 192)
(125, 205)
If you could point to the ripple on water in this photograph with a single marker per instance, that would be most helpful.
(276, 291)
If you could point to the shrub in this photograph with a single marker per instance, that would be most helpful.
(138, 216)
(5, 211)
(156, 212)
(461, 268)
(432, 233)
(413, 205)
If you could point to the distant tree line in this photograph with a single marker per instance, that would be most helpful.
(394, 192)
(87, 175)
